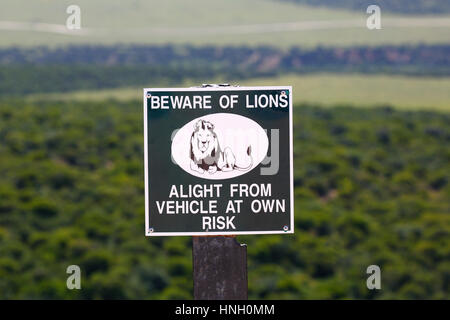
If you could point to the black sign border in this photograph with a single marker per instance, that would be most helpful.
(151, 233)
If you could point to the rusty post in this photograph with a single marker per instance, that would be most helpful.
(220, 268)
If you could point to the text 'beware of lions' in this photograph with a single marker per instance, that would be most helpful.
(225, 101)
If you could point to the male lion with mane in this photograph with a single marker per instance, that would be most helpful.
(206, 154)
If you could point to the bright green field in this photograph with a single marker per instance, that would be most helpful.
(238, 22)
(327, 89)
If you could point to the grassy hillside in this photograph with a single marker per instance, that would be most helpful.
(249, 22)
(371, 187)
(359, 90)
(366, 90)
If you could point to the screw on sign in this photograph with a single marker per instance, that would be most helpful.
(218, 163)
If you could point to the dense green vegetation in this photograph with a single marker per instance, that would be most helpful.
(398, 6)
(371, 187)
(41, 70)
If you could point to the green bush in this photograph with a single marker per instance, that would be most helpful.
(371, 187)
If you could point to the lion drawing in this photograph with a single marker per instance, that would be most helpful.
(206, 154)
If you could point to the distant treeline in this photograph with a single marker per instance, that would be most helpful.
(263, 58)
(43, 69)
(398, 6)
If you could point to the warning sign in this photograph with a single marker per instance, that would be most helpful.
(218, 160)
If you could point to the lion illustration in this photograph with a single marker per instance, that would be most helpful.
(206, 154)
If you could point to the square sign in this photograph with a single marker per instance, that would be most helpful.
(218, 161)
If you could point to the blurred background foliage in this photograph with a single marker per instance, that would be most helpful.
(371, 187)
(371, 140)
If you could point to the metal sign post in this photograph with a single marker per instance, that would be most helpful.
(220, 268)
